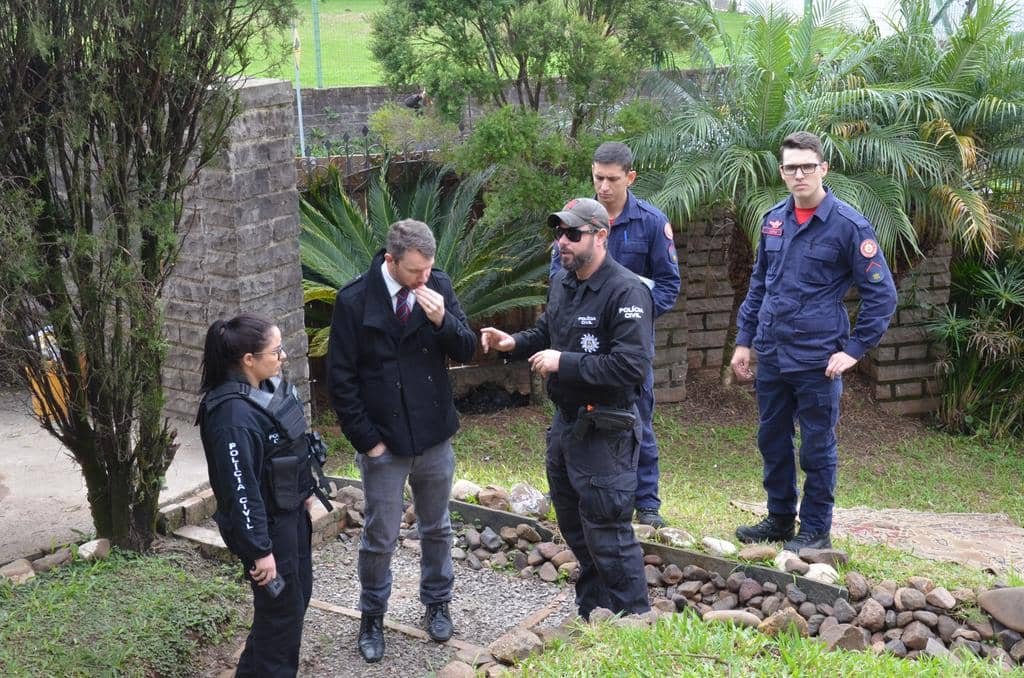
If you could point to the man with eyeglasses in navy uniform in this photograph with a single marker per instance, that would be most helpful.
(813, 247)
(593, 343)
(641, 240)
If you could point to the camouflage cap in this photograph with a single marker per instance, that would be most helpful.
(580, 212)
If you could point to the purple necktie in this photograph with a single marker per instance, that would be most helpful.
(402, 305)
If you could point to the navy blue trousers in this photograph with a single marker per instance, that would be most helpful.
(647, 464)
(812, 399)
(592, 482)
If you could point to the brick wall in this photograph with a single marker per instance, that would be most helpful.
(903, 365)
(240, 250)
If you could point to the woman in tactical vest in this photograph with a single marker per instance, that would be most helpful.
(253, 431)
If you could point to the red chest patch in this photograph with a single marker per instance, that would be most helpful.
(772, 228)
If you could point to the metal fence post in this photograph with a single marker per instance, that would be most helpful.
(316, 44)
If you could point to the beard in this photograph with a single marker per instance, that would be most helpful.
(573, 262)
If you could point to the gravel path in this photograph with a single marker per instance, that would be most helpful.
(485, 604)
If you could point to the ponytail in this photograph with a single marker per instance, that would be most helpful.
(227, 341)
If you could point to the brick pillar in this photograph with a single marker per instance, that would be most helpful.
(708, 295)
(903, 364)
(240, 250)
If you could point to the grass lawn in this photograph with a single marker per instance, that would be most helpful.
(709, 455)
(345, 45)
(126, 616)
(344, 40)
(685, 646)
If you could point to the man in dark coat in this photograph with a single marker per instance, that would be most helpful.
(394, 327)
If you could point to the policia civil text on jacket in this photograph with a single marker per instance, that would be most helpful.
(263, 469)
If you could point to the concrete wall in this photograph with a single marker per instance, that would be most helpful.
(240, 250)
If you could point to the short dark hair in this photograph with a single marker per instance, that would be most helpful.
(804, 141)
(227, 341)
(614, 153)
(409, 234)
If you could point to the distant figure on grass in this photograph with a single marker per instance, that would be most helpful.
(813, 247)
(593, 343)
(393, 330)
(641, 240)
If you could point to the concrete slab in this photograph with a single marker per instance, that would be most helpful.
(42, 492)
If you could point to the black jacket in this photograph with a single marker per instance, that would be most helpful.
(388, 382)
(603, 327)
(236, 439)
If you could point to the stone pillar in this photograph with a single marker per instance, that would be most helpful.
(903, 364)
(240, 251)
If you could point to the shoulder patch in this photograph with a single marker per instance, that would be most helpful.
(868, 248)
(668, 231)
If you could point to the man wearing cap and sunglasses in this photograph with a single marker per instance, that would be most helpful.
(593, 343)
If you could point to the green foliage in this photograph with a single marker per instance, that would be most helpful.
(922, 134)
(132, 616)
(109, 109)
(493, 269)
(982, 331)
(487, 50)
(402, 128)
(534, 167)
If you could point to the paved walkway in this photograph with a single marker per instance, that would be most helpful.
(42, 492)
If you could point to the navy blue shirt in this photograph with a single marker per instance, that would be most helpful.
(640, 241)
(795, 308)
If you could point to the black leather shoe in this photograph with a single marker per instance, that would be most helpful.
(808, 540)
(650, 517)
(371, 637)
(439, 622)
(773, 528)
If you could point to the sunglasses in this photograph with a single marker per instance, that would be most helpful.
(572, 234)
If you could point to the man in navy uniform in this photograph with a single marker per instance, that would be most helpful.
(641, 240)
(593, 343)
(813, 247)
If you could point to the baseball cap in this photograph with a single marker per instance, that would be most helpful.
(580, 212)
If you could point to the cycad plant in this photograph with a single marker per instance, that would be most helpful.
(923, 132)
(493, 269)
(982, 331)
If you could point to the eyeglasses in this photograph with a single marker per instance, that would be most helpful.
(806, 169)
(276, 351)
(573, 234)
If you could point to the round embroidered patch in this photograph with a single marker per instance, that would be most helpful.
(589, 343)
(668, 230)
(868, 248)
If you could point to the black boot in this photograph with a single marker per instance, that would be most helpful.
(439, 622)
(650, 516)
(371, 637)
(808, 540)
(773, 528)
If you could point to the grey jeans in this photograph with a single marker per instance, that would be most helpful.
(430, 476)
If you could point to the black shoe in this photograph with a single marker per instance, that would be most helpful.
(371, 637)
(773, 528)
(650, 517)
(439, 622)
(808, 540)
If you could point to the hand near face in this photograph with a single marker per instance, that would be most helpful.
(546, 361)
(432, 304)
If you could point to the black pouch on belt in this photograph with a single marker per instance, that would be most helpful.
(604, 418)
(285, 482)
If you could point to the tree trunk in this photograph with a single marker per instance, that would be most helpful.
(740, 259)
